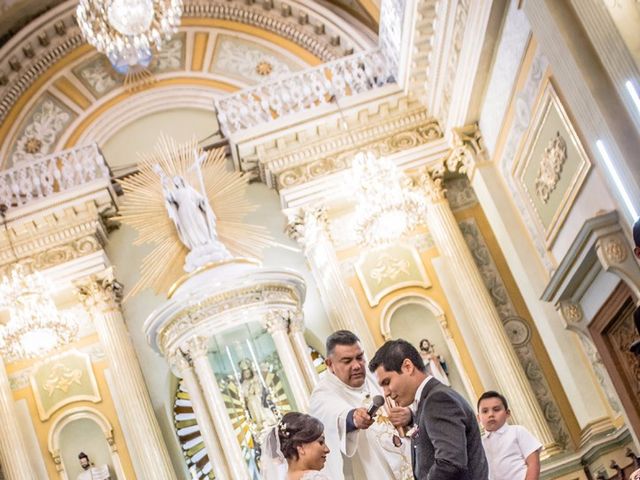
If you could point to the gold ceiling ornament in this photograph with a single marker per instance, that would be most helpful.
(144, 209)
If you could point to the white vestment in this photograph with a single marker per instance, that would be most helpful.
(361, 454)
(95, 473)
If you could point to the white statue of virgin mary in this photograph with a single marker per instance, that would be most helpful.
(194, 219)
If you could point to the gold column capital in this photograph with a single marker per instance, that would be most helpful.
(466, 154)
(103, 292)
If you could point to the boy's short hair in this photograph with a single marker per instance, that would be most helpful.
(493, 394)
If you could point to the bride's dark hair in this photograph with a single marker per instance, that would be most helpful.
(296, 429)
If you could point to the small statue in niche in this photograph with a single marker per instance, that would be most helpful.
(435, 364)
(91, 472)
(255, 394)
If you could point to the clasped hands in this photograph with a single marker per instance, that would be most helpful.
(398, 416)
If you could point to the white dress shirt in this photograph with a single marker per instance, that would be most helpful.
(507, 449)
(416, 399)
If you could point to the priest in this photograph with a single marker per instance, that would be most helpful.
(363, 446)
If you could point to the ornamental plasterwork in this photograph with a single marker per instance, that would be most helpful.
(46, 44)
(247, 61)
(41, 130)
(188, 320)
(97, 75)
(517, 329)
(553, 159)
(614, 250)
(524, 101)
(172, 55)
(332, 163)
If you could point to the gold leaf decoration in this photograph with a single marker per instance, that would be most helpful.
(143, 208)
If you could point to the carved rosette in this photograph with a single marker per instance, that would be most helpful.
(571, 313)
(614, 250)
(550, 168)
(103, 294)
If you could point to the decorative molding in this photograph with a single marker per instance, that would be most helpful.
(460, 193)
(518, 330)
(325, 147)
(101, 293)
(432, 187)
(555, 155)
(55, 34)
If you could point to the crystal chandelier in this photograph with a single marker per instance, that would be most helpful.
(35, 326)
(128, 31)
(388, 207)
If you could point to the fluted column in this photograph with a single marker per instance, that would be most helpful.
(296, 334)
(181, 365)
(277, 323)
(484, 316)
(309, 228)
(197, 348)
(14, 456)
(101, 298)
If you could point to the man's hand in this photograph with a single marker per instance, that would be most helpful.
(400, 416)
(361, 419)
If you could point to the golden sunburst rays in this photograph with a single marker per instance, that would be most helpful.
(143, 208)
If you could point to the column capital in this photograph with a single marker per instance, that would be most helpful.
(296, 322)
(100, 291)
(277, 320)
(179, 362)
(306, 223)
(196, 347)
(431, 186)
(467, 152)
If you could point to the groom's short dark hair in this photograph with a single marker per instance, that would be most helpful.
(341, 337)
(393, 353)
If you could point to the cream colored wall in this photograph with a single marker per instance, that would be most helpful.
(141, 136)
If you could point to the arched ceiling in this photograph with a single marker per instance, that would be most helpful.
(56, 91)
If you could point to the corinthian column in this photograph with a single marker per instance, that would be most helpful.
(14, 456)
(182, 367)
(277, 323)
(309, 228)
(296, 334)
(197, 348)
(483, 314)
(101, 298)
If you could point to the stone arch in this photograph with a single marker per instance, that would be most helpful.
(429, 304)
(82, 413)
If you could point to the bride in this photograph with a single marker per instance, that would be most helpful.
(294, 449)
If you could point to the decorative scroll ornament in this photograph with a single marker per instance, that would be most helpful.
(145, 208)
(553, 159)
(431, 187)
(388, 204)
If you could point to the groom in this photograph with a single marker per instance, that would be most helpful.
(446, 439)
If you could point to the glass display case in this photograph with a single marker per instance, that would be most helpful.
(253, 384)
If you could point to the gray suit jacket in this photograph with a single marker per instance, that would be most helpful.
(447, 443)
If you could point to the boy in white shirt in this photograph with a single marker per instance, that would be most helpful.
(512, 452)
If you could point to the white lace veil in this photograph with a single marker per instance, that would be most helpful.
(273, 465)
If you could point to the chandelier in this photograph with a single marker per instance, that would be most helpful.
(128, 31)
(388, 206)
(35, 326)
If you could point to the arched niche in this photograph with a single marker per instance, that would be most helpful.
(414, 317)
(83, 429)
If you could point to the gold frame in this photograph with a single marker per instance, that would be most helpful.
(94, 397)
(374, 300)
(549, 99)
